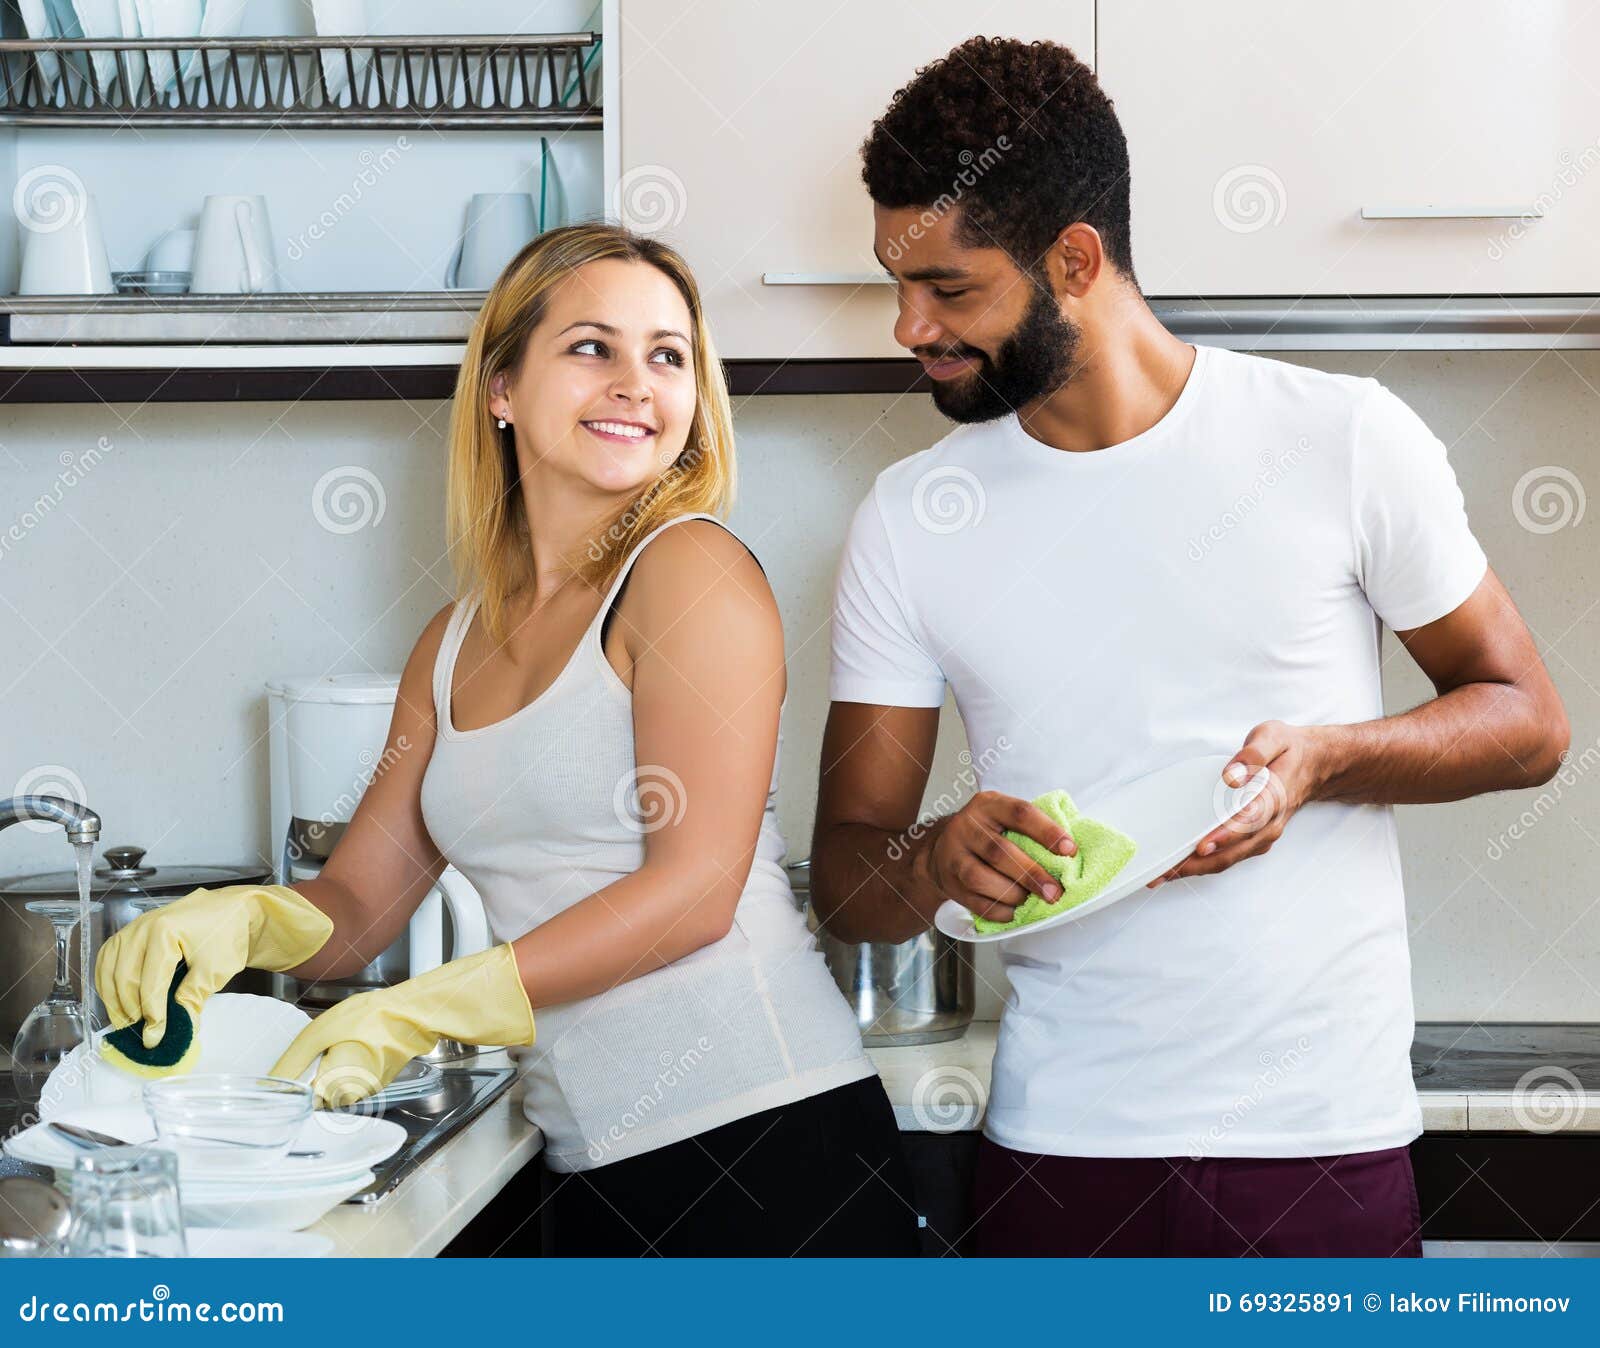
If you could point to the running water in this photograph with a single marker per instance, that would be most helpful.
(85, 859)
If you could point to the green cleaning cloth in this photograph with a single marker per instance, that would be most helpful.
(1102, 852)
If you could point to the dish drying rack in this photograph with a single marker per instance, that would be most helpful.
(476, 80)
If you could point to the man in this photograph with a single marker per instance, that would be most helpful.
(1132, 552)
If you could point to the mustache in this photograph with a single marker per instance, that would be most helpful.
(967, 352)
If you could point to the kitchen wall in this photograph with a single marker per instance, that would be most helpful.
(158, 562)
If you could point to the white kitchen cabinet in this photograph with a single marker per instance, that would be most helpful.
(740, 130)
(1397, 147)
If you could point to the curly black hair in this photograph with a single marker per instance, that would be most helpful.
(1020, 135)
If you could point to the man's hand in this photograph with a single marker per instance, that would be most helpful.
(1292, 755)
(966, 856)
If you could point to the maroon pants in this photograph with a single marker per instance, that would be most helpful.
(1362, 1204)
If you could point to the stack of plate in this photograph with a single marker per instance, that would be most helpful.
(239, 1033)
(283, 1195)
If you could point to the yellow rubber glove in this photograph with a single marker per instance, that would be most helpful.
(218, 932)
(365, 1040)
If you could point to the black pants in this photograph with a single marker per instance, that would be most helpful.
(822, 1176)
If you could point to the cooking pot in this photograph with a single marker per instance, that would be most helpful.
(921, 991)
(27, 944)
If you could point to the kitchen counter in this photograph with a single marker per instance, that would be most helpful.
(1530, 1078)
(449, 1189)
(1470, 1079)
(1467, 1081)
(435, 1201)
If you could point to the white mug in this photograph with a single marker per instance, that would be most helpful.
(64, 253)
(173, 251)
(498, 224)
(233, 249)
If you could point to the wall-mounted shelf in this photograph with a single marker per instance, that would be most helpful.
(484, 81)
(286, 319)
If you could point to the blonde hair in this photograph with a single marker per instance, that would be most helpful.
(487, 527)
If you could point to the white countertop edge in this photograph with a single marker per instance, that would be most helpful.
(934, 1088)
(436, 1201)
(939, 1088)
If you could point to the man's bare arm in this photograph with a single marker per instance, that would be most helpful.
(878, 875)
(1497, 723)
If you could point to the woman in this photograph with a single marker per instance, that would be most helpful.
(589, 734)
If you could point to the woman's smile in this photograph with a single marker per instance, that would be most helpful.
(619, 432)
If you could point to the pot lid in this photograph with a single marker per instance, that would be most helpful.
(121, 872)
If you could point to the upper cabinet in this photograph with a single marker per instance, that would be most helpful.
(1374, 147)
(740, 131)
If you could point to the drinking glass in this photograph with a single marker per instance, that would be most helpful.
(54, 1027)
(125, 1204)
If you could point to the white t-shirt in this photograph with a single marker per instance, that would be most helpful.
(1108, 613)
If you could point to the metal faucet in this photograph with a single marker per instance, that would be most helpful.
(82, 823)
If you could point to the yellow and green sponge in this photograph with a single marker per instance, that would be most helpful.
(175, 1054)
(1102, 852)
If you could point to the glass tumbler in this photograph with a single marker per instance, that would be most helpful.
(125, 1204)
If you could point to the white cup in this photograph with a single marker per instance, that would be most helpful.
(498, 224)
(64, 252)
(233, 248)
(173, 251)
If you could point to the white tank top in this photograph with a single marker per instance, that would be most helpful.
(545, 807)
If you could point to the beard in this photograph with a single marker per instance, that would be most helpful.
(1033, 360)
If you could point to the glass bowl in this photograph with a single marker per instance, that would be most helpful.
(224, 1122)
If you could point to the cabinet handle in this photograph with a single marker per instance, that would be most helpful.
(825, 278)
(1451, 213)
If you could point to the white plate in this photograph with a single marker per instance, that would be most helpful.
(269, 1209)
(417, 1078)
(1165, 812)
(350, 1142)
(221, 1242)
(238, 1032)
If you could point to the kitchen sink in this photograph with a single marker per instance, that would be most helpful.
(464, 1092)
